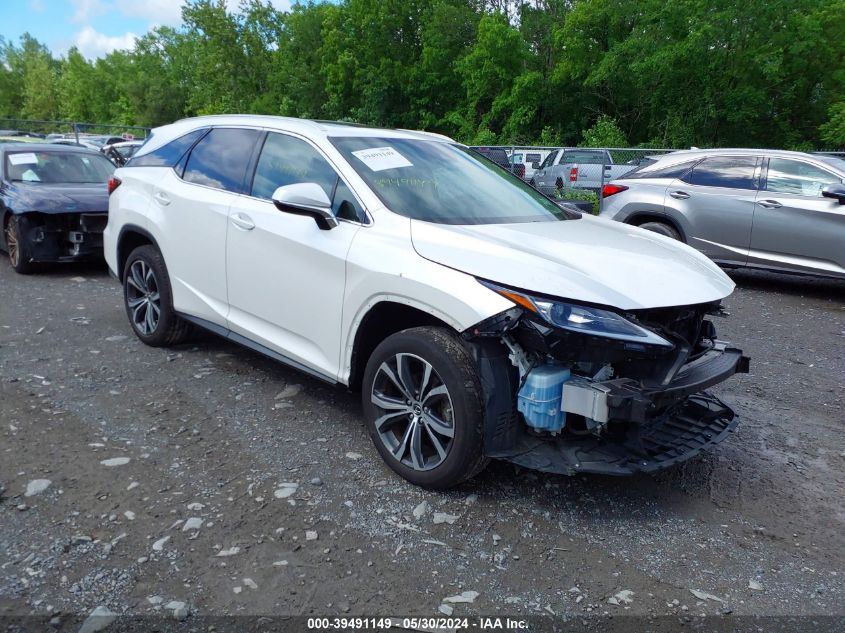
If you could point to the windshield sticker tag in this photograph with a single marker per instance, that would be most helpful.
(23, 159)
(381, 158)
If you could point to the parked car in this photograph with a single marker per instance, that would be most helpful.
(477, 318)
(578, 168)
(530, 159)
(501, 158)
(768, 209)
(119, 153)
(53, 203)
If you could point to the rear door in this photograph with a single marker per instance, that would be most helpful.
(190, 211)
(716, 199)
(795, 228)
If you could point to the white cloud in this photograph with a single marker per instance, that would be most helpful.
(158, 12)
(93, 44)
(86, 10)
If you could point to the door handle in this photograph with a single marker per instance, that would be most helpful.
(243, 222)
(161, 198)
(769, 204)
(679, 195)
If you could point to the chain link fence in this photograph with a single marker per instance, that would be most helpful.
(35, 129)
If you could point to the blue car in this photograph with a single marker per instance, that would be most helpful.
(53, 203)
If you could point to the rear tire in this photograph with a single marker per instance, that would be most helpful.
(18, 246)
(149, 300)
(423, 405)
(662, 228)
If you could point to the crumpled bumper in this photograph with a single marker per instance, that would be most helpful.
(654, 426)
(697, 424)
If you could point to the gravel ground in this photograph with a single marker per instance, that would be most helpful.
(206, 480)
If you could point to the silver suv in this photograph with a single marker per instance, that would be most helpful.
(770, 209)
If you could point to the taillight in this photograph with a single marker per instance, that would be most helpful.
(114, 183)
(573, 174)
(609, 190)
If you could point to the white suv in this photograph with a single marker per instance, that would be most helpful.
(477, 317)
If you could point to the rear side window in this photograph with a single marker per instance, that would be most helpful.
(169, 154)
(670, 171)
(729, 172)
(221, 158)
(586, 157)
(532, 158)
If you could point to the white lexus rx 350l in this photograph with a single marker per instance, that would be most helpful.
(478, 318)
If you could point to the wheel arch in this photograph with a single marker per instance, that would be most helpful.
(382, 319)
(641, 217)
(131, 237)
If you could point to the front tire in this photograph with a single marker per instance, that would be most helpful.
(423, 405)
(18, 246)
(149, 300)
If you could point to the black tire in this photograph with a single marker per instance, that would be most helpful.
(662, 228)
(142, 294)
(18, 246)
(460, 411)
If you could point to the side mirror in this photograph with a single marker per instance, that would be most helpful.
(535, 165)
(837, 192)
(306, 198)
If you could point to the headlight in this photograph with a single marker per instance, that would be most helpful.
(583, 319)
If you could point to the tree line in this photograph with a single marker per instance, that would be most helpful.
(767, 73)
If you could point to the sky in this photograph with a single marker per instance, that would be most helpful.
(95, 27)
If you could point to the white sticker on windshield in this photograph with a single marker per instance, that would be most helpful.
(28, 158)
(381, 158)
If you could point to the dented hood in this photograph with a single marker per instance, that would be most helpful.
(589, 260)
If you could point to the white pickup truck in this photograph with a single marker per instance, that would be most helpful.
(578, 168)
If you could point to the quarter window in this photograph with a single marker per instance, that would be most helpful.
(221, 158)
(730, 172)
(169, 154)
(549, 161)
(797, 177)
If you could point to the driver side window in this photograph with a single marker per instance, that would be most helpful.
(287, 160)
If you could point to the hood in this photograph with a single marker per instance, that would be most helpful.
(589, 260)
(59, 198)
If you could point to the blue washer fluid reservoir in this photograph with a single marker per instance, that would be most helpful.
(539, 398)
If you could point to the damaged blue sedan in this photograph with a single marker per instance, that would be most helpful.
(53, 202)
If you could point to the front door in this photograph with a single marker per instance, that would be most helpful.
(795, 228)
(286, 276)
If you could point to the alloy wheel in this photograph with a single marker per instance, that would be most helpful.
(12, 243)
(415, 418)
(142, 297)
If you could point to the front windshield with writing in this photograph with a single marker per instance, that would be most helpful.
(443, 183)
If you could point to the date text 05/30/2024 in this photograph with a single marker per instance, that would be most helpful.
(426, 623)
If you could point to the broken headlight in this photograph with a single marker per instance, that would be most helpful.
(582, 319)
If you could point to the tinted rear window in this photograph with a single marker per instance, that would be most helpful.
(729, 172)
(679, 170)
(169, 154)
(590, 158)
(221, 158)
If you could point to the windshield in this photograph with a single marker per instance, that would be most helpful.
(58, 167)
(833, 161)
(443, 183)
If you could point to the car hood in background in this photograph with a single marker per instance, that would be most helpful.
(590, 260)
(22, 197)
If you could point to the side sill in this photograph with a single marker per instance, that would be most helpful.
(256, 347)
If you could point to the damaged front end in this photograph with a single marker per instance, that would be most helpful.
(577, 388)
(57, 237)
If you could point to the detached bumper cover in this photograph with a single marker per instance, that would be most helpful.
(663, 425)
(699, 423)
